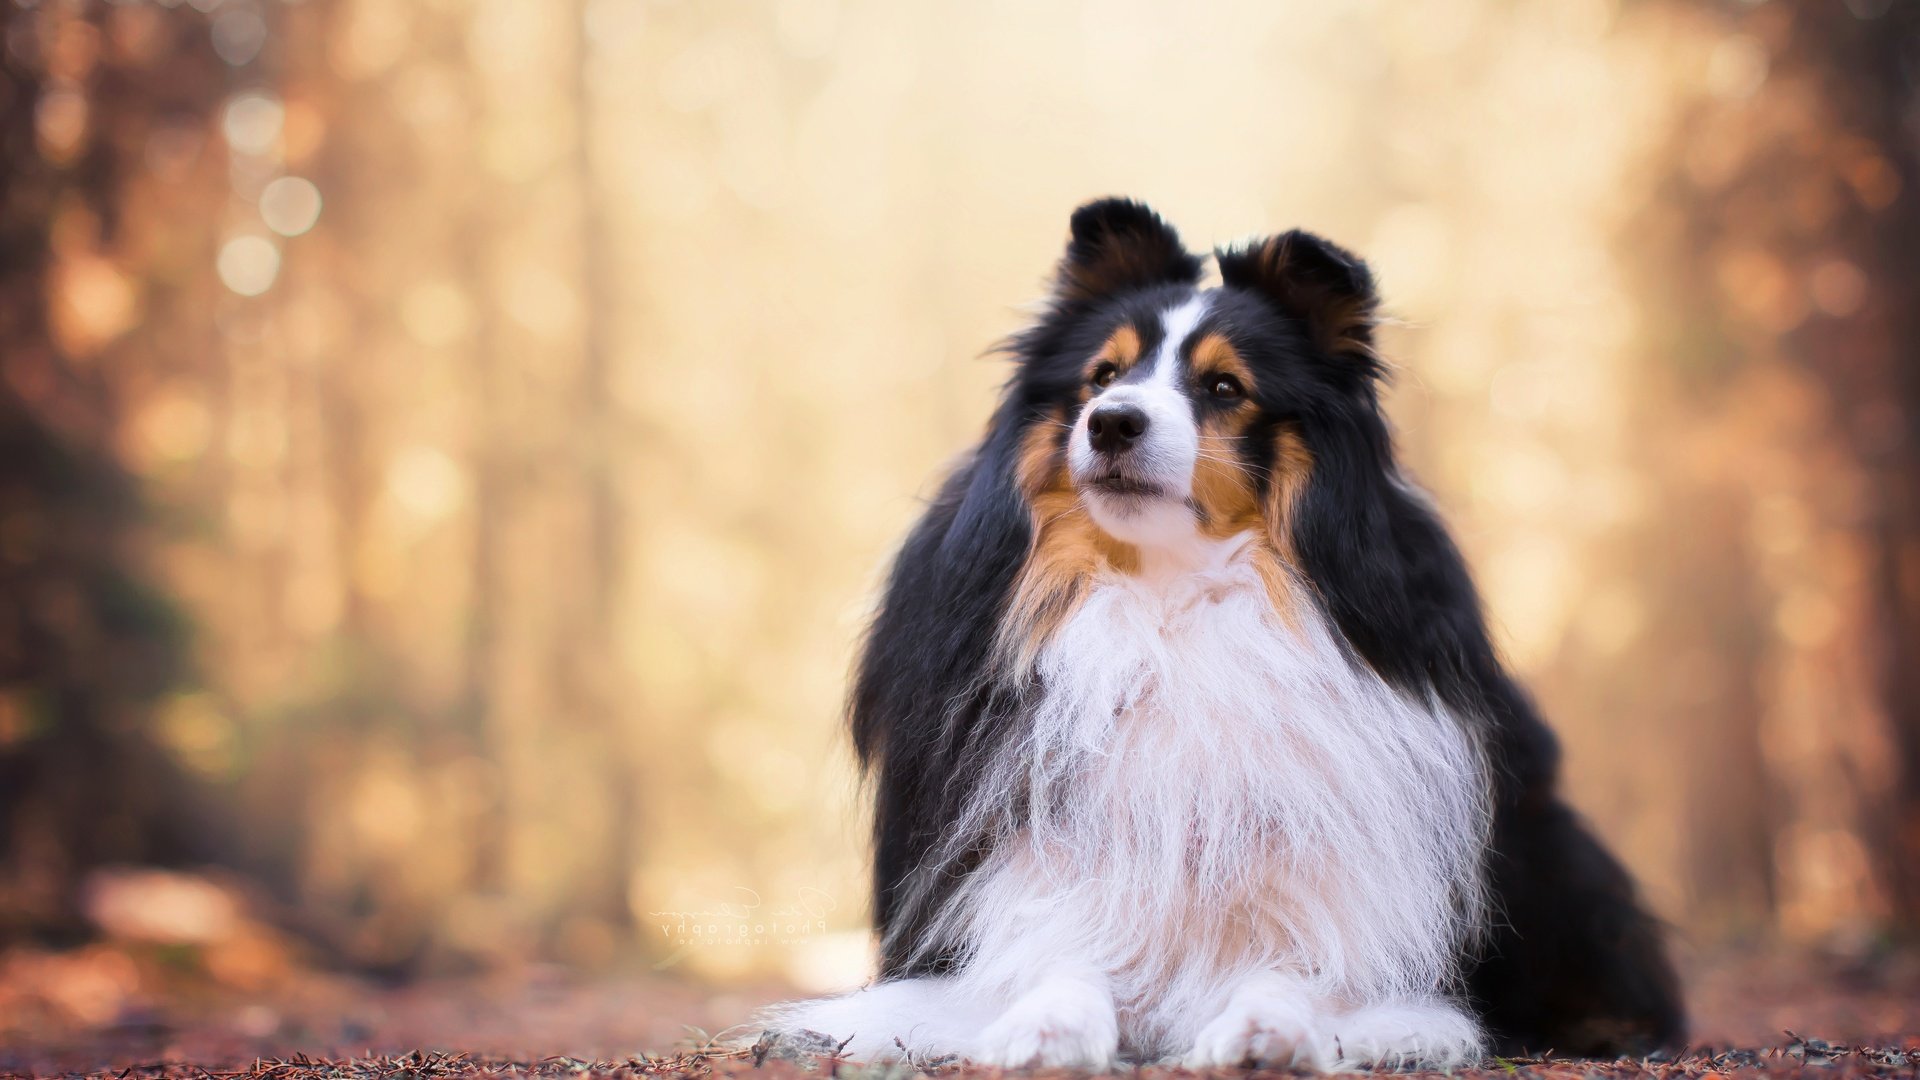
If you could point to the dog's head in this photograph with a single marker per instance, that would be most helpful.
(1172, 413)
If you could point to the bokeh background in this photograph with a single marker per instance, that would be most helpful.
(448, 447)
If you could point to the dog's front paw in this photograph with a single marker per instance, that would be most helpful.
(1263, 1027)
(1057, 1024)
(1426, 1033)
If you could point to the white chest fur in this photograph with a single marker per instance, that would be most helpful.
(1218, 838)
(1208, 792)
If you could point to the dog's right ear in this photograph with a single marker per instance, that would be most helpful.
(1119, 244)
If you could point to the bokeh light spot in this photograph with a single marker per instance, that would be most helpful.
(60, 122)
(1839, 287)
(238, 35)
(426, 482)
(174, 426)
(290, 205)
(249, 264)
(252, 123)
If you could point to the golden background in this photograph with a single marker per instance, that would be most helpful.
(526, 396)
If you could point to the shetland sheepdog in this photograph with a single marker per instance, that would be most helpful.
(1185, 733)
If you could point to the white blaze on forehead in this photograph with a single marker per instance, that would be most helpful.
(1178, 324)
(1162, 383)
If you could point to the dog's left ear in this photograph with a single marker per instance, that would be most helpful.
(1117, 245)
(1329, 289)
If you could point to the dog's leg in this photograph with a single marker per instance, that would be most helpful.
(1066, 1019)
(1429, 1033)
(1271, 1019)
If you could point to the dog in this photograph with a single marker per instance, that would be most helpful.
(1185, 733)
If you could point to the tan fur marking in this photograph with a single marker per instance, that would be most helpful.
(1066, 551)
(1224, 492)
(1122, 347)
(1215, 355)
(1277, 561)
(1292, 466)
(1224, 495)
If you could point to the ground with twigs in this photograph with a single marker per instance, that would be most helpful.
(1781, 1016)
(1795, 1058)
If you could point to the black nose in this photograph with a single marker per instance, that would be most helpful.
(1114, 428)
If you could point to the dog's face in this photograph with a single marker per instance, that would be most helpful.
(1169, 401)
(1186, 409)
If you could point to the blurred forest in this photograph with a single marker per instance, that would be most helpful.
(447, 447)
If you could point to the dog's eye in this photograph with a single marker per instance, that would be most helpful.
(1104, 374)
(1225, 386)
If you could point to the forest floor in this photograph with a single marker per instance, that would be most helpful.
(80, 1015)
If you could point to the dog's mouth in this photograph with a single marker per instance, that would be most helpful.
(1119, 484)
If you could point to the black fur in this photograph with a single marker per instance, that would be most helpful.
(1571, 961)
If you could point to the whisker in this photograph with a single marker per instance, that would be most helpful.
(1216, 455)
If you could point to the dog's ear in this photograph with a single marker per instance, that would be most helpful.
(1317, 282)
(1119, 244)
